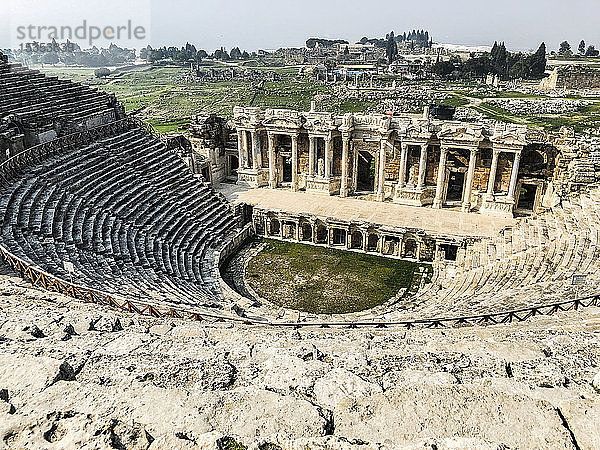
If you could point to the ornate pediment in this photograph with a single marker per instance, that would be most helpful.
(374, 122)
(417, 131)
(249, 117)
(320, 122)
(510, 135)
(511, 139)
(281, 123)
(283, 119)
(461, 133)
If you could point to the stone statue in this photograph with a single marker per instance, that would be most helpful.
(412, 175)
(321, 167)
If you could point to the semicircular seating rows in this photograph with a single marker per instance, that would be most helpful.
(123, 209)
(527, 265)
(48, 103)
(126, 212)
(134, 221)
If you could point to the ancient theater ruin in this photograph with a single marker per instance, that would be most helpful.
(496, 169)
(102, 207)
(438, 191)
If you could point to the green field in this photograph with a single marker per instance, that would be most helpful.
(326, 281)
(165, 96)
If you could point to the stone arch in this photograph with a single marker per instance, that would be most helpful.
(410, 248)
(373, 242)
(322, 233)
(274, 227)
(289, 230)
(390, 245)
(307, 232)
(259, 226)
(356, 240)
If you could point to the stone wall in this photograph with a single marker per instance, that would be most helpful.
(572, 77)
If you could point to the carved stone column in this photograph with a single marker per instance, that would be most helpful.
(403, 162)
(294, 162)
(245, 146)
(493, 170)
(381, 172)
(422, 167)
(256, 150)
(240, 149)
(513, 176)
(272, 171)
(311, 155)
(441, 178)
(328, 156)
(466, 206)
(344, 182)
(354, 168)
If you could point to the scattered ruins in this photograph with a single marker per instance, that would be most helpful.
(572, 77)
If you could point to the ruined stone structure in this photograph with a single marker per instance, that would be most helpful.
(572, 77)
(214, 152)
(411, 161)
(35, 109)
(408, 244)
(115, 208)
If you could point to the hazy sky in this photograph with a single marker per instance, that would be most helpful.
(523, 24)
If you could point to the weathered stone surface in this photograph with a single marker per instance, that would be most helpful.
(340, 385)
(582, 417)
(596, 381)
(438, 412)
(518, 385)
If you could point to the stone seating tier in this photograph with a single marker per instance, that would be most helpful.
(126, 213)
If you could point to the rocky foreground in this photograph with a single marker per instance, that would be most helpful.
(82, 377)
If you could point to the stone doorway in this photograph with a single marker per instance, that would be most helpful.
(286, 168)
(356, 240)
(206, 174)
(527, 195)
(366, 172)
(456, 184)
(234, 164)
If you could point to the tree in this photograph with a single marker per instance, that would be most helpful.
(591, 51)
(102, 72)
(565, 49)
(581, 47)
(49, 58)
(499, 57)
(537, 62)
(391, 48)
(235, 53)
(521, 67)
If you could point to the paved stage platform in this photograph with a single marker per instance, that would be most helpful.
(434, 221)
